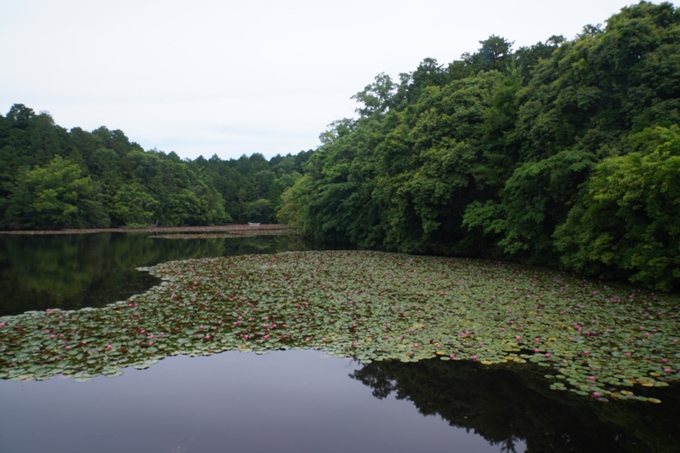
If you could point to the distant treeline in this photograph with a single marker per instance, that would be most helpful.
(565, 153)
(51, 178)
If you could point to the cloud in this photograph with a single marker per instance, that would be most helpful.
(241, 77)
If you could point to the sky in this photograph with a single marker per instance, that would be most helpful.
(232, 78)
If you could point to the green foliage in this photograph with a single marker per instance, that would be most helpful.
(133, 206)
(259, 211)
(595, 90)
(250, 184)
(55, 195)
(120, 184)
(627, 222)
(535, 198)
(489, 155)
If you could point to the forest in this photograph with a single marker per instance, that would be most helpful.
(563, 154)
(52, 178)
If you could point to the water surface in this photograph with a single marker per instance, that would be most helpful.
(287, 401)
(292, 401)
(91, 270)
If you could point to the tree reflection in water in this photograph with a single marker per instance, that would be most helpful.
(507, 403)
(91, 270)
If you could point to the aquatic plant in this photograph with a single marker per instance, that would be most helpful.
(594, 339)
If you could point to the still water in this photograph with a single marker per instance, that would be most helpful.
(292, 401)
(287, 401)
(91, 270)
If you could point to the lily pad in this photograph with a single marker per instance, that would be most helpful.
(371, 306)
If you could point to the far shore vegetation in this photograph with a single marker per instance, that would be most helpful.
(563, 154)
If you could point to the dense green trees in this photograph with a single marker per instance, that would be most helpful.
(51, 178)
(563, 153)
(55, 196)
(628, 218)
(251, 187)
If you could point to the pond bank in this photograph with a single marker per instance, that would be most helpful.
(235, 229)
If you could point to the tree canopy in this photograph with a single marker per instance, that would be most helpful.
(52, 178)
(562, 154)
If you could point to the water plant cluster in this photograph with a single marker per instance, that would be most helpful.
(594, 339)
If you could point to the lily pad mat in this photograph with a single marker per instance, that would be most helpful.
(592, 339)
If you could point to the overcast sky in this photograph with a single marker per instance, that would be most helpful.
(232, 78)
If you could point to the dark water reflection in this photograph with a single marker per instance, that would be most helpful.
(92, 270)
(306, 401)
(292, 401)
(506, 403)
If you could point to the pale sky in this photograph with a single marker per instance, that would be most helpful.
(231, 78)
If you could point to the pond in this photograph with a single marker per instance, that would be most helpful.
(268, 399)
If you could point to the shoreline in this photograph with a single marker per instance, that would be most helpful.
(235, 229)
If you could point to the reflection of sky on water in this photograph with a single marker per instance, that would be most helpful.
(292, 401)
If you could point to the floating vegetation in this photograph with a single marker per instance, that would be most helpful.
(593, 339)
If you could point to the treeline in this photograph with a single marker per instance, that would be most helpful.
(565, 153)
(51, 178)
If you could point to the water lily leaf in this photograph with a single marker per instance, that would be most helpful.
(370, 306)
